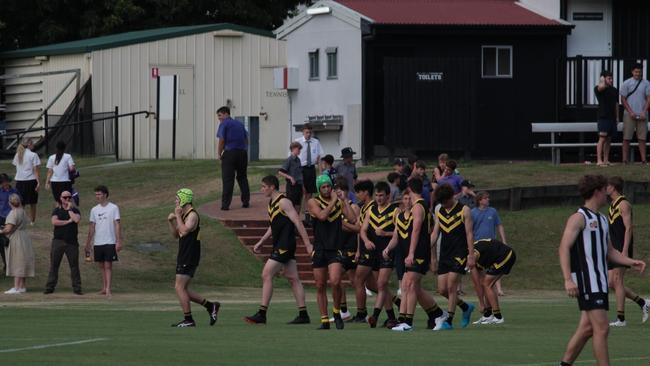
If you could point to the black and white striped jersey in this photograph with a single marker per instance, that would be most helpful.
(589, 254)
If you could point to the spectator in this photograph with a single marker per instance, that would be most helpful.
(394, 181)
(327, 167)
(105, 236)
(486, 224)
(439, 170)
(635, 96)
(65, 219)
(399, 168)
(607, 96)
(467, 196)
(291, 170)
(19, 253)
(27, 175)
(5, 192)
(410, 166)
(310, 157)
(450, 177)
(233, 152)
(419, 171)
(347, 169)
(59, 166)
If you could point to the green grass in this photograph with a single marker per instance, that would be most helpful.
(137, 332)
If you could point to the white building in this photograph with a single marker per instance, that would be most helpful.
(216, 65)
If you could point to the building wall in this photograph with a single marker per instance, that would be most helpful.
(27, 97)
(547, 8)
(341, 96)
(224, 68)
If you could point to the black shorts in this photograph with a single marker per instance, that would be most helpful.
(420, 265)
(27, 191)
(309, 178)
(283, 254)
(501, 269)
(446, 265)
(58, 188)
(323, 258)
(105, 253)
(294, 193)
(186, 269)
(400, 266)
(630, 252)
(375, 260)
(347, 260)
(596, 301)
(607, 126)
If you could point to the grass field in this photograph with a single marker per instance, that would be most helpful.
(134, 330)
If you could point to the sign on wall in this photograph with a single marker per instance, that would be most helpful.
(429, 76)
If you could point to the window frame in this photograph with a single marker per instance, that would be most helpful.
(329, 52)
(315, 53)
(496, 48)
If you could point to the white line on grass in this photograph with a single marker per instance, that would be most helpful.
(586, 361)
(41, 346)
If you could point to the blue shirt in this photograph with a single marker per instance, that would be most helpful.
(233, 133)
(453, 180)
(485, 223)
(5, 208)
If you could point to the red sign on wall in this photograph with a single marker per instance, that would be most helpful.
(154, 72)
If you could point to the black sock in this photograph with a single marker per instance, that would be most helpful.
(497, 314)
(263, 310)
(188, 317)
(639, 301)
(487, 312)
(344, 307)
(463, 306)
(401, 317)
(391, 313)
(302, 312)
(433, 312)
(620, 315)
(408, 319)
(362, 312)
(207, 304)
(325, 319)
(450, 317)
(564, 363)
(376, 312)
(397, 301)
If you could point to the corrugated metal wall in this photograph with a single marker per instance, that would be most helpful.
(224, 68)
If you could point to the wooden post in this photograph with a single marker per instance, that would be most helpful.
(515, 199)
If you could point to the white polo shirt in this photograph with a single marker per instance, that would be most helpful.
(25, 170)
(316, 150)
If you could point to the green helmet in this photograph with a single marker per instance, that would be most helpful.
(185, 196)
(322, 179)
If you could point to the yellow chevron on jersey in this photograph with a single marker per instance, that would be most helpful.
(403, 224)
(274, 208)
(455, 219)
(614, 211)
(336, 212)
(365, 209)
(381, 218)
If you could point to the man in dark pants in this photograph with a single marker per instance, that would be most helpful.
(232, 150)
(65, 219)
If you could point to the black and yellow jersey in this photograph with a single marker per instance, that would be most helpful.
(282, 229)
(616, 225)
(491, 253)
(383, 219)
(364, 210)
(189, 245)
(327, 233)
(404, 227)
(453, 243)
(350, 239)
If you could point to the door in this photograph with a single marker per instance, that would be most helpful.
(275, 128)
(592, 35)
(185, 123)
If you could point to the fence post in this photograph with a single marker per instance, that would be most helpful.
(515, 199)
(117, 137)
(174, 119)
(133, 138)
(47, 132)
(579, 81)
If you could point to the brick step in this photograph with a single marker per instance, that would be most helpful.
(258, 231)
(252, 240)
(245, 223)
(300, 257)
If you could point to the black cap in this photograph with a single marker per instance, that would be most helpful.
(347, 152)
(467, 183)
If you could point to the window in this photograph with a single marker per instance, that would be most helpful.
(496, 61)
(313, 65)
(332, 63)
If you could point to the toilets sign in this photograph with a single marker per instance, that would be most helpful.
(429, 76)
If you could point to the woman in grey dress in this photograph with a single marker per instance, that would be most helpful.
(20, 254)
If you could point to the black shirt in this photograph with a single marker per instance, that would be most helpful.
(607, 102)
(67, 233)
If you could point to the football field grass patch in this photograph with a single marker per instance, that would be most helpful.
(136, 331)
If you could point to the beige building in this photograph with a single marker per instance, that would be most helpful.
(215, 65)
